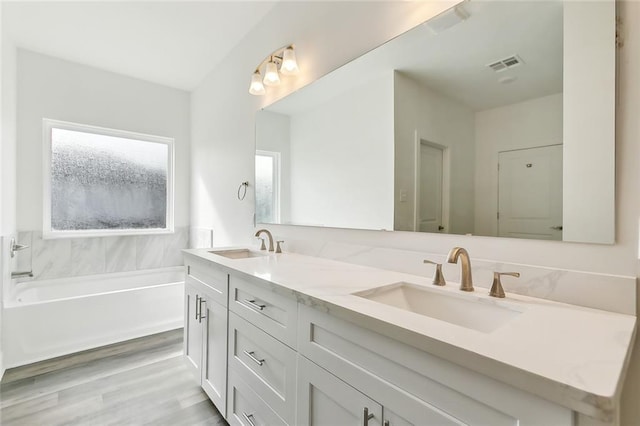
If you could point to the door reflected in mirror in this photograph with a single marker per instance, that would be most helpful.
(455, 129)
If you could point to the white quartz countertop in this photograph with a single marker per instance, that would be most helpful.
(573, 356)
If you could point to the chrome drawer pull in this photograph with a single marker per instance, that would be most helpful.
(200, 304)
(367, 416)
(253, 358)
(248, 418)
(252, 304)
(197, 305)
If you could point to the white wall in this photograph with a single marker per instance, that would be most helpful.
(2, 202)
(7, 163)
(335, 163)
(223, 147)
(53, 88)
(533, 123)
(443, 121)
(273, 134)
(2, 199)
(588, 158)
(327, 35)
(9, 71)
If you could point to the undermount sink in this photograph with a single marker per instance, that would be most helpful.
(238, 253)
(463, 310)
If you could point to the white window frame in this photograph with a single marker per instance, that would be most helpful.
(49, 233)
(276, 181)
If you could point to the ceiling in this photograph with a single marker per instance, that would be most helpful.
(170, 43)
(454, 62)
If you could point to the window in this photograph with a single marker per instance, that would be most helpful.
(105, 182)
(267, 187)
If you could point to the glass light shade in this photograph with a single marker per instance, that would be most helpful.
(289, 63)
(271, 77)
(256, 87)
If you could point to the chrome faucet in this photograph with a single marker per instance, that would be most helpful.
(466, 283)
(266, 231)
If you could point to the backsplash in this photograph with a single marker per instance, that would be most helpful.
(612, 293)
(200, 237)
(70, 257)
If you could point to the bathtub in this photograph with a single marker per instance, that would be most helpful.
(49, 318)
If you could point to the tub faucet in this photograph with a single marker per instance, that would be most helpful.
(266, 231)
(466, 283)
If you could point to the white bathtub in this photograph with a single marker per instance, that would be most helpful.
(49, 318)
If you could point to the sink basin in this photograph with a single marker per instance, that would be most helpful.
(463, 310)
(238, 253)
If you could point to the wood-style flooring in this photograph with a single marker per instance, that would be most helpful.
(139, 382)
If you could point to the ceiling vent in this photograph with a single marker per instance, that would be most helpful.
(503, 64)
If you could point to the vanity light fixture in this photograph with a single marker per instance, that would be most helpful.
(289, 63)
(285, 59)
(271, 76)
(448, 19)
(256, 87)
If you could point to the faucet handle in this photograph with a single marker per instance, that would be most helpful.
(278, 249)
(262, 245)
(496, 287)
(438, 277)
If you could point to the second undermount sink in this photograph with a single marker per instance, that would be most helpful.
(463, 309)
(238, 253)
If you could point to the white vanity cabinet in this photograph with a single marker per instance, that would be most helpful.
(412, 386)
(262, 338)
(269, 355)
(205, 331)
(325, 400)
(265, 363)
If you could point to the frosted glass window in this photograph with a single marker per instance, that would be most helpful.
(267, 186)
(103, 181)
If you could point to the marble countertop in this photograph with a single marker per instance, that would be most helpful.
(576, 357)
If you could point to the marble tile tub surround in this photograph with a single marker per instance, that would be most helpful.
(613, 293)
(57, 258)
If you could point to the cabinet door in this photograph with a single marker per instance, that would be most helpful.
(325, 400)
(192, 330)
(214, 351)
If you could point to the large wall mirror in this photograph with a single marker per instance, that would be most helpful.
(493, 119)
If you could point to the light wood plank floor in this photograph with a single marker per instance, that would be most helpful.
(139, 382)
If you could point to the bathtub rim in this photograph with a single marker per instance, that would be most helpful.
(11, 300)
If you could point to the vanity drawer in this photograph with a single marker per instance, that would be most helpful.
(267, 310)
(202, 272)
(264, 363)
(245, 408)
(371, 361)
